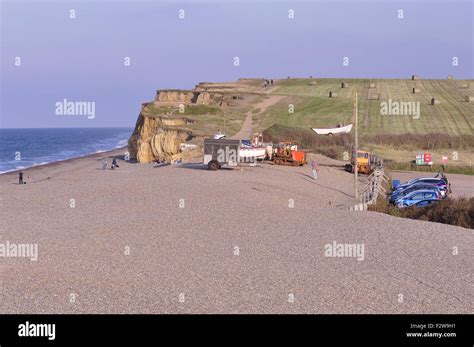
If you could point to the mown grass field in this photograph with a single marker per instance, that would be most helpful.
(314, 108)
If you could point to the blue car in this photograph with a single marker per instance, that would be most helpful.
(416, 196)
(438, 182)
(397, 194)
(424, 203)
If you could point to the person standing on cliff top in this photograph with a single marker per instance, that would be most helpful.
(20, 178)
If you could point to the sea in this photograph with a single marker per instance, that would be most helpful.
(24, 148)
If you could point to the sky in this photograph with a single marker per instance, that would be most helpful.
(82, 59)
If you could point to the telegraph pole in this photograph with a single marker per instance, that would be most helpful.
(356, 148)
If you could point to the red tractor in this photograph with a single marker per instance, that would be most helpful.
(286, 153)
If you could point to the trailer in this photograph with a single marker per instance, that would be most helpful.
(219, 152)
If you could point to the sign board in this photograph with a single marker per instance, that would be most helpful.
(424, 159)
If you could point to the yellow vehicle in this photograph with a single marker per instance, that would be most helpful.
(366, 162)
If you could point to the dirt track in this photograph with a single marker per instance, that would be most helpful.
(245, 131)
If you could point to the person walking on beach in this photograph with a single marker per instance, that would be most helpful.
(20, 178)
(314, 168)
(104, 165)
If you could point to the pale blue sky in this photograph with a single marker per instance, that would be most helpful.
(81, 59)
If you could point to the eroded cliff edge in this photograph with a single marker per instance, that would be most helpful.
(179, 117)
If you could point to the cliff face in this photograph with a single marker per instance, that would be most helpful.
(160, 130)
(196, 97)
(152, 139)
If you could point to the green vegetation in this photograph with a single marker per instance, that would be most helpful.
(304, 112)
(194, 110)
(455, 169)
(459, 212)
(441, 129)
(452, 116)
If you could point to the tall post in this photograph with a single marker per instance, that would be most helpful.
(356, 148)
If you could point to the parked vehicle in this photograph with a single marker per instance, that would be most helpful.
(433, 181)
(425, 203)
(287, 153)
(219, 152)
(421, 203)
(397, 194)
(366, 162)
(415, 197)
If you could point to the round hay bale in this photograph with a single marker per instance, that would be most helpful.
(450, 77)
(434, 101)
(343, 85)
(375, 97)
(332, 94)
(372, 85)
(415, 77)
(465, 85)
(415, 90)
(469, 98)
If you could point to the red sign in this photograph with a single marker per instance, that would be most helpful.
(445, 158)
(427, 157)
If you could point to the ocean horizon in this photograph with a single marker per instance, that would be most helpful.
(23, 148)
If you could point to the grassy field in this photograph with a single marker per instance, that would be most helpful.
(313, 107)
(206, 120)
(441, 129)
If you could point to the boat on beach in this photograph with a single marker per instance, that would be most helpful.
(258, 153)
(250, 150)
(331, 131)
